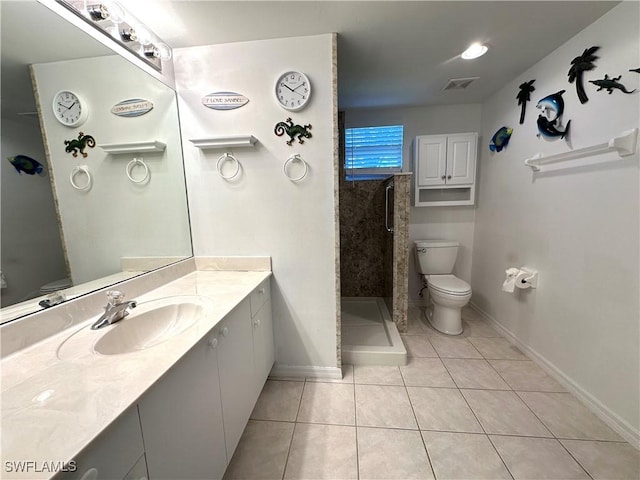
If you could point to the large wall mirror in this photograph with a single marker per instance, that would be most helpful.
(80, 223)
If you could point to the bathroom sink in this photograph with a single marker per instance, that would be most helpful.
(149, 324)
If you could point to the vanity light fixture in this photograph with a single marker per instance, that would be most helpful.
(474, 51)
(114, 21)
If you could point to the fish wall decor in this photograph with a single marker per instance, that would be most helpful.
(500, 139)
(524, 96)
(579, 65)
(637, 70)
(610, 84)
(28, 165)
(549, 123)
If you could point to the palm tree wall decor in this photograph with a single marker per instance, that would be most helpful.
(579, 65)
(524, 96)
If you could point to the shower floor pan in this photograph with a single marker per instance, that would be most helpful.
(369, 336)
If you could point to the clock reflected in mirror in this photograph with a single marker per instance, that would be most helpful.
(293, 90)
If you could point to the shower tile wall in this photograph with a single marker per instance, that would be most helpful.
(362, 238)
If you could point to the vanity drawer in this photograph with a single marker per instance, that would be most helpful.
(259, 296)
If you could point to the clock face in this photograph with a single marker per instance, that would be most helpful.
(293, 90)
(69, 109)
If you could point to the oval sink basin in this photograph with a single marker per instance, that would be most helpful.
(151, 323)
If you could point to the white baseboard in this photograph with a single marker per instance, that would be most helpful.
(618, 424)
(294, 371)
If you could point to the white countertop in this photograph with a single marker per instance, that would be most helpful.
(52, 408)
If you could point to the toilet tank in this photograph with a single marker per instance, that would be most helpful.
(435, 257)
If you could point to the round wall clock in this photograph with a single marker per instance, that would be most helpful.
(293, 90)
(69, 108)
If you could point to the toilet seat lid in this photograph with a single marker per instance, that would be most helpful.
(449, 284)
(56, 285)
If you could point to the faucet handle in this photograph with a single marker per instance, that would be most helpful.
(114, 296)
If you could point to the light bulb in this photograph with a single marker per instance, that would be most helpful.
(474, 51)
(164, 51)
(142, 35)
(116, 12)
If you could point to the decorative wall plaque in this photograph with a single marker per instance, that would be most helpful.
(224, 100)
(133, 107)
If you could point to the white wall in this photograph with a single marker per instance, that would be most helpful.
(452, 223)
(31, 248)
(263, 213)
(578, 227)
(116, 218)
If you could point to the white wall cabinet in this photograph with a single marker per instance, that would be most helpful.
(444, 169)
(193, 418)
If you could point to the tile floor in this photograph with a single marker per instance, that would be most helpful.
(467, 407)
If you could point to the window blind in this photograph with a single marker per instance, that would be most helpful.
(372, 148)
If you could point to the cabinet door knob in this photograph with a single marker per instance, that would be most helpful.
(261, 291)
(213, 343)
(256, 322)
(448, 177)
(443, 177)
(225, 331)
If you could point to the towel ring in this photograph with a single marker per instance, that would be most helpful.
(80, 169)
(291, 159)
(130, 167)
(224, 158)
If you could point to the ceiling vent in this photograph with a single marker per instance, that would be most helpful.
(459, 83)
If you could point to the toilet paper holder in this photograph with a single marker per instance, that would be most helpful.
(527, 278)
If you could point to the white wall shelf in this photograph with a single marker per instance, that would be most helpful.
(224, 142)
(624, 145)
(134, 147)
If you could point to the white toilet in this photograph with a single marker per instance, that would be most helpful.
(55, 286)
(435, 260)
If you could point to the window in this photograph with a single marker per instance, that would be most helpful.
(372, 152)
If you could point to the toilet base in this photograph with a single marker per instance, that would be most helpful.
(446, 320)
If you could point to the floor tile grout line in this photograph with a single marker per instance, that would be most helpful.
(295, 424)
(500, 457)
(415, 417)
(535, 415)
(575, 459)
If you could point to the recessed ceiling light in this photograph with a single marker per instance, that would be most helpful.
(474, 51)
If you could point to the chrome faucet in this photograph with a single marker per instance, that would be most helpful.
(115, 309)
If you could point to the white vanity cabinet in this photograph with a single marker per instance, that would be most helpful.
(181, 417)
(263, 343)
(117, 453)
(193, 418)
(444, 169)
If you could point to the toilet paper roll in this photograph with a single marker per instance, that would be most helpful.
(521, 278)
(510, 282)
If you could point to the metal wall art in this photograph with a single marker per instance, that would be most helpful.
(579, 65)
(524, 96)
(77, 146)
(610, 84)
(224, 100)
(293, 131)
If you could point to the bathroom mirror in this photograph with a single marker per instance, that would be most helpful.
(59, 224)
